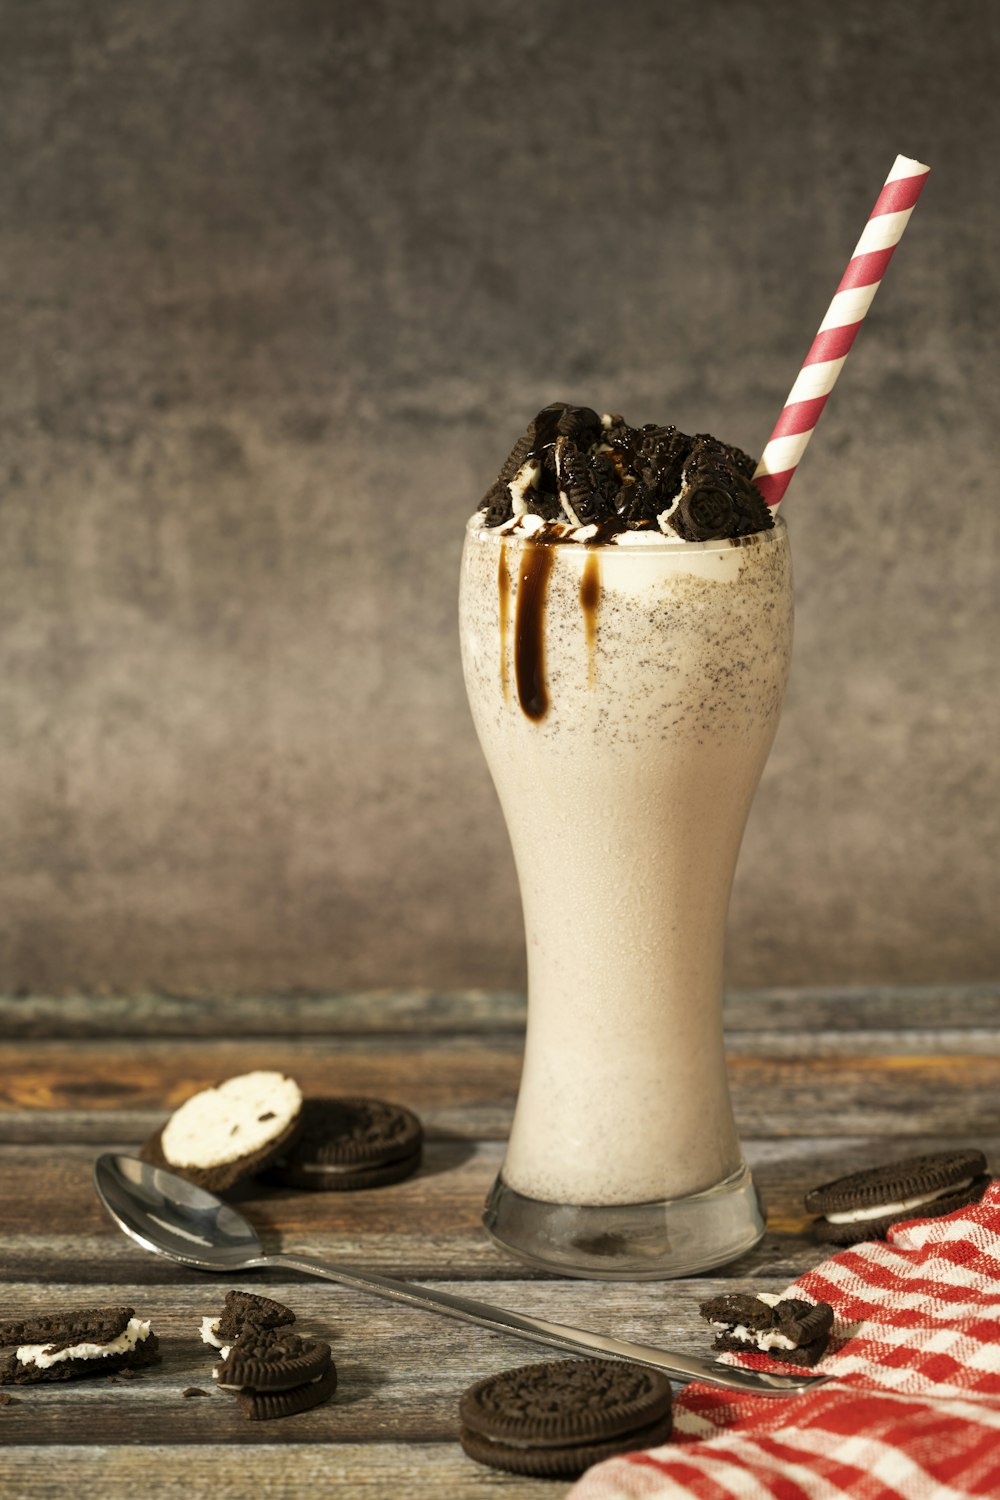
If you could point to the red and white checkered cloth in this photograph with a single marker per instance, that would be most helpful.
(912, 1411)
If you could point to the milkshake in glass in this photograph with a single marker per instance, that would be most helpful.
(626, 685)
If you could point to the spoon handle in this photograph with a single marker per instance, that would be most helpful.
(555, 1335)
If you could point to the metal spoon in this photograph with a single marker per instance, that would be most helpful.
(170, 1216)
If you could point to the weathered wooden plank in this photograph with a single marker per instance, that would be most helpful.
(823, 1084)
(269, 1471)
(138, 1074)
(368, 1012)
(377, 1012)
(400, 1371)
(426, 1226)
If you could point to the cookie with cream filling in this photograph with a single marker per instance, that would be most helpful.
(864, 1205)
(786, 1328)
(69, 1345)
(230, 1131)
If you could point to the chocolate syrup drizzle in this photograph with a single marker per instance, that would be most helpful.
(590, 598)
(529, 629)
(534, 569)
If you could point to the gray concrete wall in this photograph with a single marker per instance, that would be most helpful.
(280, 282)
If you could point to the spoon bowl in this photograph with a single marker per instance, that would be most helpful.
(168, 1215)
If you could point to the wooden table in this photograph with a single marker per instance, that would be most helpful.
(823, 1082)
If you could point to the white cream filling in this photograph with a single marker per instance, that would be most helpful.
(525, 524)
(882, 1210)
(524, 480)
(38, 1354)
(769, 1339)
(223, 1386)
(236, 1119)
(564, 500)
(209, 1329)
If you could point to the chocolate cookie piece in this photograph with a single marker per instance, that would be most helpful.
(738, 1308)
(265, 1359)
(717, 499)
(241, 1309)
(560, 1417)
(267, 1406)
(80, 1342)
(863, 1205)
(786, 1328)
(231, 1131)
(62, 1328)
(350, 1143)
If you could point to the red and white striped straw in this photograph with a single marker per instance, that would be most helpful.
(844, 317)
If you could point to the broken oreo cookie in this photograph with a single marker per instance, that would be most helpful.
(786, 1328)
(556, 1419)
(351, 1143)
(68, 1345)
(223, 1134)
(241, 1310)
(863, 1205)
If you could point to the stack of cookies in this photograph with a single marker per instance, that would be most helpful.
(271, 1371)
(259, 1124)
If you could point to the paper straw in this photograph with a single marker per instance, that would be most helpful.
(837, 332)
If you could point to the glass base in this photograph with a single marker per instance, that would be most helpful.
(629, 1241)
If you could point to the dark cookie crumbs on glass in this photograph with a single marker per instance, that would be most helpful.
(573, 467)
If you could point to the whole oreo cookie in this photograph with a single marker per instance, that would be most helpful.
(865, 1204)
(350, 1143)
(223, 1134)
(556, 1419)
(67, 1345)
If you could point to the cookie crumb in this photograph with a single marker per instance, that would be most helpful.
(194, 1390)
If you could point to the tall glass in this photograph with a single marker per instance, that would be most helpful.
(626, 696)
